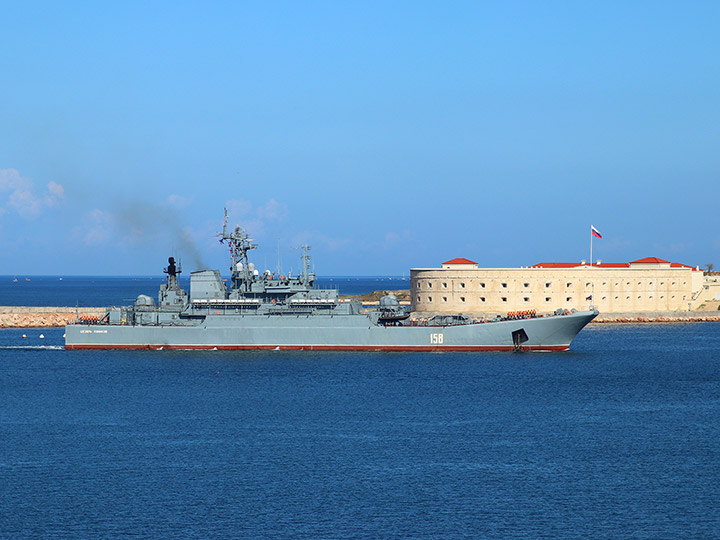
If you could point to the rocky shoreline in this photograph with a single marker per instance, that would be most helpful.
(43, 317)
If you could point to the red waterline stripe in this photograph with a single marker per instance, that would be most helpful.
(421, 348)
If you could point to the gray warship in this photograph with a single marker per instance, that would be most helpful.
(277, 312)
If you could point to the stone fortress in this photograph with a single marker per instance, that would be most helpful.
(649, 285)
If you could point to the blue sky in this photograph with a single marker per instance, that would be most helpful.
(386, 135)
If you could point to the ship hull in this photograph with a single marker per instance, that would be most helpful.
(329, 333)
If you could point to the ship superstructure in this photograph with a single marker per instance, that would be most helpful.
(274, 311)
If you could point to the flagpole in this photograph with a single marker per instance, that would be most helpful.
(591, 239)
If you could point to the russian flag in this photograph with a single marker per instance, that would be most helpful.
(595, 232)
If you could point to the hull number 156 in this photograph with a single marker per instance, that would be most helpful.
(436, 339)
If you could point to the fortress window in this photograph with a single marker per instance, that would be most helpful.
(462, 298)
(429, 285)
(547, 298)
(526, 284)
(651, 297)
(616, 298)
(504, 285)
(628, 283)
(482, 298)
(662, 297)
(444, 298)
(673, 283)
(429, 298)
(587, 284)
(418, 300)
(604, 283)
(462, 285)
(568, 299)
(445, 285)
(627, 298)
(650, 283)
(604, 297)
(504, 298)
(568, 285)
(673, 297)
(662, 283)
(639, 297)
(526, 299)
(547, 285)
(482, 285)
(684, 282)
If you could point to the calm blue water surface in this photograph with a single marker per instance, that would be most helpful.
(93, 291)
(618, 438)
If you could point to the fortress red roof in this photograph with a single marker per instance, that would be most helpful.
(460, 261)
(650, 260)
(646, 260)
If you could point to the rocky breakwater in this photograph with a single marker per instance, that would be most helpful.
(43, 317)
(659, 317)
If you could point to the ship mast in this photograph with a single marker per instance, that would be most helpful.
(240, 243)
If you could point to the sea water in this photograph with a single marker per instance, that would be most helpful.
(99, 291)
(617, 438)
